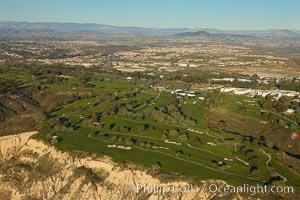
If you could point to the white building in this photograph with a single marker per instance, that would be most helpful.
(242, 91)
(290, 111)
(193, 65)
(223, 79)
(183, 65)
(201, 98)
(191, 95)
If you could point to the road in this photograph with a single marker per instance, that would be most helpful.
(145, 122)
(279, 115)
(188, 161)
(189, 145)
(216, 137)
(149, 103)
(284, 118)
(171, 125)
(268, 165)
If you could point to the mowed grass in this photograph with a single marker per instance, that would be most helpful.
(17, 74)
(234, 103)
(224, 149)
(78, 141)
(105, 86)
(196, 111)
(293, 178)
(169, 158)
(81, 109)
(197, 154)
(85, 106)
(245, 106)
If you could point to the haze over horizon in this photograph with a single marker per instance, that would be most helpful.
(229, 15)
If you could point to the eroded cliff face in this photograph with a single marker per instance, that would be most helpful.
(11, 143)
(31, 169)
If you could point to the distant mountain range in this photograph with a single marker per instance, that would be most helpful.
(278, 34)
(212, 35)
(284, 33)
(10, 33)
(90, 28)
(9, 29)
(194, 34)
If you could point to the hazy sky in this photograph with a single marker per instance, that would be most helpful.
(222, 14)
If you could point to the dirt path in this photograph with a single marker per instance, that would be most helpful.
(268, 165)
(152, 101)
(188, 161)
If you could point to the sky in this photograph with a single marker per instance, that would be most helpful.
(221, 14)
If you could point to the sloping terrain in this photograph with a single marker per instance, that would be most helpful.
(39, 171)
(18, 113)
(248, 126)
(22, 108)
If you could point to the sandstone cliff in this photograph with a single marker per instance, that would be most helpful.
(31, 169)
